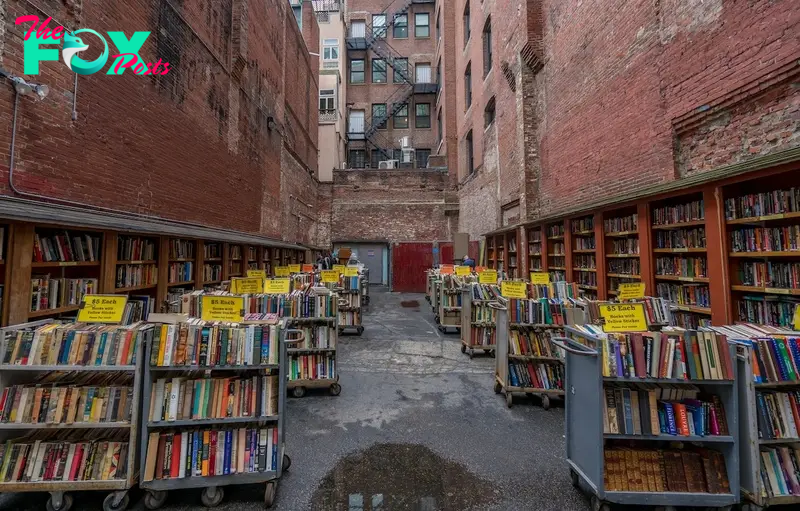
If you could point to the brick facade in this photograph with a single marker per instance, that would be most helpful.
(192, 145)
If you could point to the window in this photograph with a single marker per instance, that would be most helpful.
(439, 74)
(375, 157)
(423, 72)
(358, 28)
(487, 47)
(488, 113)
(439, 125)
(379, 112)
(468, 86)
(379, 25)
(355, 121)
(330, 49)
(327, 100)
(401, 117)
(422, 158)
(400, 70)
(357, 158)
(422, 119)
(466, 23)
(357, 71)
(438, 28)
(298, 15)
(378, 71)
(400, 29)
(470, 161)
(422, 25)
(397, 154)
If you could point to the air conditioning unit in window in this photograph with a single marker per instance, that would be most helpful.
(388, 164)
(407, 155)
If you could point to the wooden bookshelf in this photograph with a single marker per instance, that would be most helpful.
(622, 248)
(536, 253)
(512, 262)
(555, 255)
(584, 254)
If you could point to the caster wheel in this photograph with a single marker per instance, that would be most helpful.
(335, 389)
(270, 491)
(287, 462)
(509, 399)
(486, 352)
(497, 387)
(341, 331)
(108, 503)
(546, 402)
(210, 499)
(598, 505)
(360, 330)
(65, 505)
(491, 354)
(299, 391)
(471, 354)
(463, 348)
(575, 478)
(154, 499)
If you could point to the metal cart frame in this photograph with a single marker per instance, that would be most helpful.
(466, 324)
(502, 383)
(585, 437)
(448, 316)
(60, 496)
(299, 386)
(213, 492)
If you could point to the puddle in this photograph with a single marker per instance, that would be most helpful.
(396, 477)
(409, 303)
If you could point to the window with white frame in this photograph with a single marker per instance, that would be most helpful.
(330, 49)
(327, 100)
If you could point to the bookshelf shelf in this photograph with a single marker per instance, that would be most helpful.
(583, 233)
(182, 260)
(725, 439)
(176, 284)
(137, 262)
(584, 286)
(268, 430)
(776, 384)
(777, 441)
(213, 259)
(678, 250)
(672, 498)
(557, 267)
(622, 234)
(557, 255)
(532, 357)
(52, 312)
(624, 275)
(785, 253)
(590, 270)
(536, 254)
(682, 279)
(134, 288)
(209, 282)
(55, 264)
(679, 225)
(670, 381)
(74, 425)
(767, 290)
(555, 237)
(622, 256)
(763, 218)
(693, 308)
(99, 368)
(577, 251)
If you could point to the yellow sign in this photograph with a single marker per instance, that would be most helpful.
(338, 267)
(488, 277)
(797, 318)
(249, 285)
(260, 274)
(329, 276)
(631, 290)
(102, 308)
(308, 268)
(538, 277)
(351, 271)
(222, 308)
(623, 317)
(463, 271)
(511, 289)
(281, 271)
(276, 286)
(294, 268)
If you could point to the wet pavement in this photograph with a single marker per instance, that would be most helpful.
(416, 427)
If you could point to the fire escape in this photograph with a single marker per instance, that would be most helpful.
(375, 39)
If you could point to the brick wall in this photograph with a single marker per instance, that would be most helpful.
(402, 205)
(191, 145)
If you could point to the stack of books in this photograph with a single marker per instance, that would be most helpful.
(66, 247)
(312, 367)
(779, 468)
(536, 375)
(48, 293)
(529, 342)
(778, 414)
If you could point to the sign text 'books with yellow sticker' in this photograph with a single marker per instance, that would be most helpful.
(623, 317)
(329, 276)
(102, 308)
(513, 289)
(222, 308)
(276, 286)
(249, 285)
(488, 277)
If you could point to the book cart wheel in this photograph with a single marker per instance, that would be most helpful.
(360, 330)
(59, 501)
(497, 387)
(751, 507)
(599, 505)
(270, 491)
(509, 399)
(575, 478)
(546, 402)
(155, 499)
(287, 462)
(335, 389)
(116, 501)
(212, 496)
(463, 348)
(471, 354)
(299, 391)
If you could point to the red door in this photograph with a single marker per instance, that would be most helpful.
(409, 262)
(445, 252)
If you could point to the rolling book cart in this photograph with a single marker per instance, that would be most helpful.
(478, 319)
(639, 462)
(350, 302)
(365, 287)
(543, 371)
(49, 444)
(218, 417)
(312, 362)
(449, 289)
